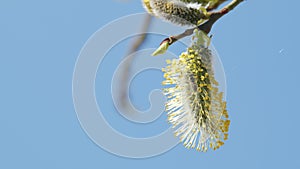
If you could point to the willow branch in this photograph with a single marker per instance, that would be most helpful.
(207, 26)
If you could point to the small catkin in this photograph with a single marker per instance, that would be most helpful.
(174, 11)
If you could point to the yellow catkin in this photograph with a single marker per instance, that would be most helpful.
(195, 106)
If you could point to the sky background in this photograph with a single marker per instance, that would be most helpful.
(41, 40)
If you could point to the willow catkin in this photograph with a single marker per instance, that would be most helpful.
(195, 106)
(175, 11)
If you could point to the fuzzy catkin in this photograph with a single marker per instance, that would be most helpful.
(174, 11)
(195, 106)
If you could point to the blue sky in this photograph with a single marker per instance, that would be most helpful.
(40, 43)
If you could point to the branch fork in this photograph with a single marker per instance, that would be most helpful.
(205, 27)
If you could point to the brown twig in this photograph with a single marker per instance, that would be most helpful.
(206, 26)
(135, 46)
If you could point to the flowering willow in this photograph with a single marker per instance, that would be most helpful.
(195, 106)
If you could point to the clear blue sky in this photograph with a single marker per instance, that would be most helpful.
(41, 40)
